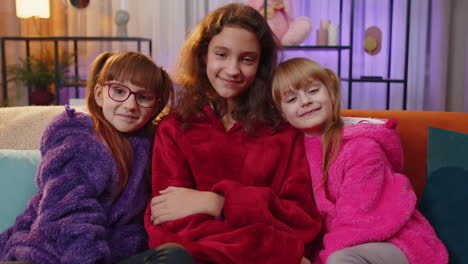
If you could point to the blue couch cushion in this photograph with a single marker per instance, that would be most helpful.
(445, 198)
(17, 183)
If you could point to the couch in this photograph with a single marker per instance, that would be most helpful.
(413, 130)
(21, 128)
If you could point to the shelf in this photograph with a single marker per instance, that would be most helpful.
(56, 41)
(79, 38)
(374, 80)
(349, 68)
(74, 84)
(318, 47)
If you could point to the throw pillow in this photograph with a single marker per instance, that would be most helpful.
(445, 197)
(350, 120)
(17, 183)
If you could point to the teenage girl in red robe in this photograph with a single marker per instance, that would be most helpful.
(230, 181)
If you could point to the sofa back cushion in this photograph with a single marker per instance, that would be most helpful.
(21, 127)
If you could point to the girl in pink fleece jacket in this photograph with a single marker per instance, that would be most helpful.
(368, 206)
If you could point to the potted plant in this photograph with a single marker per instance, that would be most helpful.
(39, 74)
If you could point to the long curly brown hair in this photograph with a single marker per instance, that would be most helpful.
(253, 105)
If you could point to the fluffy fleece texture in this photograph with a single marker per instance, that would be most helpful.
(367, 199)
(74, 217)
(268, 208)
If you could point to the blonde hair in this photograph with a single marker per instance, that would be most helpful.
(140, 70)
(298, 73)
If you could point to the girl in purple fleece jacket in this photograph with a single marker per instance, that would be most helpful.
(368, 206)
(93, 176)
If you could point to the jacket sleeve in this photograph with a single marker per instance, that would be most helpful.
(287, 205)
(374, 202)
(69, 227)
(170, 168)
(21, 225)
(265, 224)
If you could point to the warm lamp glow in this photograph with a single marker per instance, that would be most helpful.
(32, 8)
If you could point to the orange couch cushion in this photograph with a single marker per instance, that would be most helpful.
(413, 129)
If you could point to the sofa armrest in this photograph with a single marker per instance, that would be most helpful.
(21, 127)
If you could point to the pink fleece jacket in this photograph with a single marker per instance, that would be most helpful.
(367, 198)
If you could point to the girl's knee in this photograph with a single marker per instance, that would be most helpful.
(169, 253)
(345, 256)
(172, 253)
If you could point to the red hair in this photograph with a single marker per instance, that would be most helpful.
(139, 70)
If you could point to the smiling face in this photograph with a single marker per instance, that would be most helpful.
(232, 61)
(126, 116)
(307, 108)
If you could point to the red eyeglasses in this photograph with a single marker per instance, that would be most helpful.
(120, 93)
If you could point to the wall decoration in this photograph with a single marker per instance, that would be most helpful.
(121, 19)
(373, 40)
(122, 16)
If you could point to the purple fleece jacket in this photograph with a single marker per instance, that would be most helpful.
(75, 217)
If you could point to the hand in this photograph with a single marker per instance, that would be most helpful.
(176, 202)
(304, 261)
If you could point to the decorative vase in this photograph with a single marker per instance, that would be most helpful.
(333, 34)
(41, 97)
